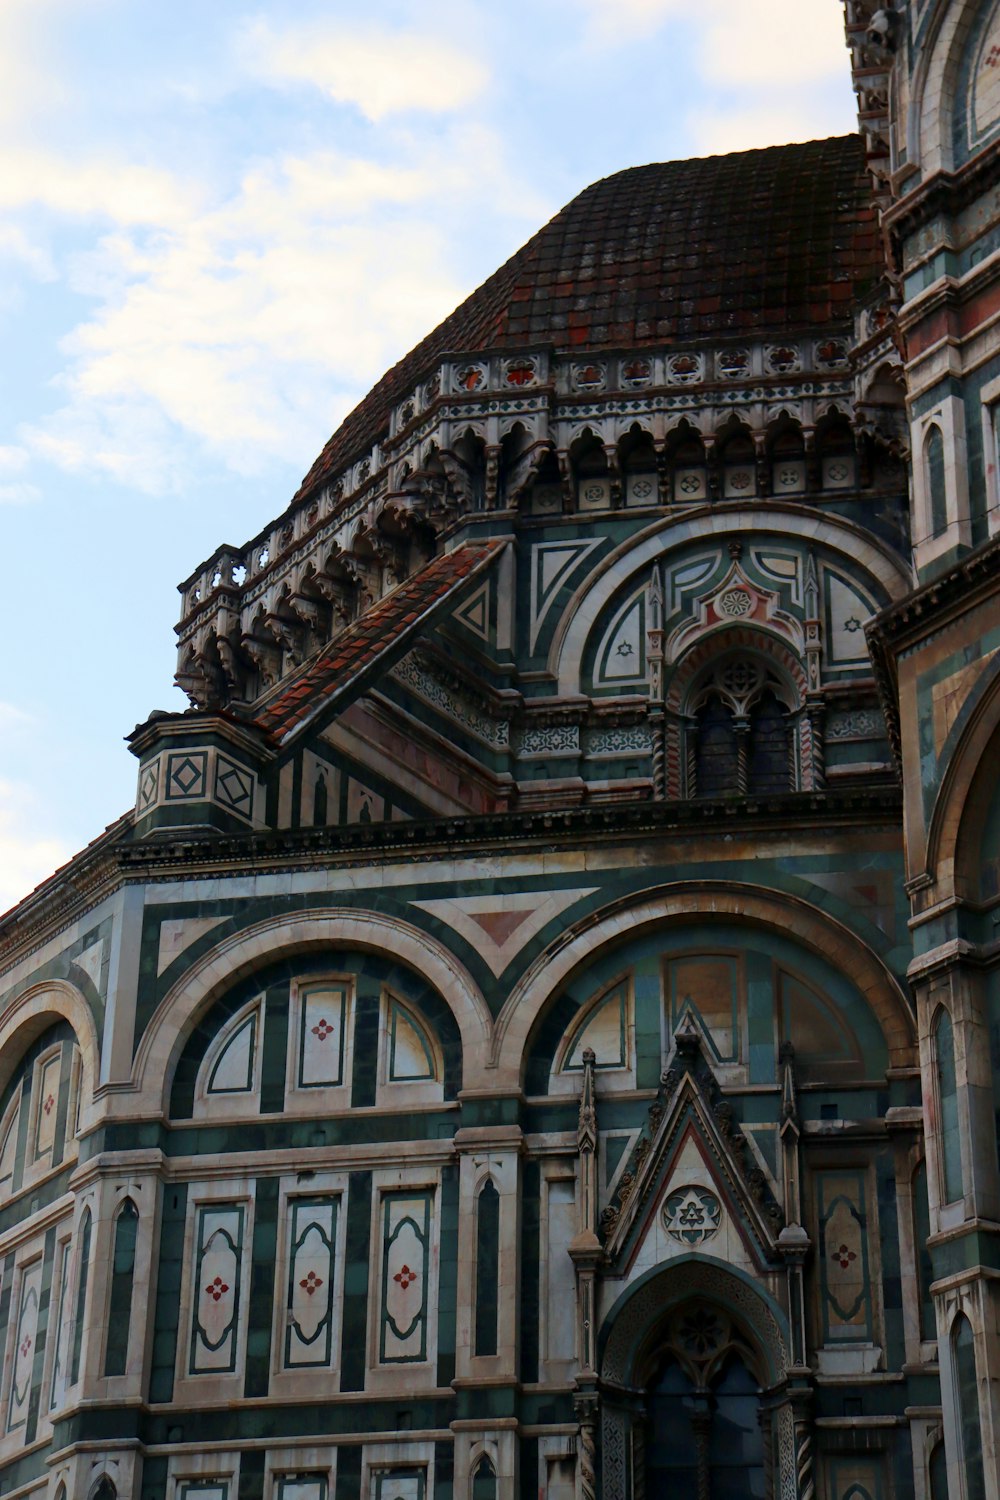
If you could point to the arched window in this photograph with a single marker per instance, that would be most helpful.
(688, 466)
(937, 1473)
(768, 749)
(122, 1278)
(739, 467)
(487, 1268)
(705, 1440)
(921, 1234)
(484, 1480)
(947, 1086)
(934, 480)
(83, 1276)
(741, 739)
(105, 1490)
(717, 758)
(963, 1346)
(320, 802)
(788, 462)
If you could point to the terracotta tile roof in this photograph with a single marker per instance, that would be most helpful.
(347, 665)
(780, 240)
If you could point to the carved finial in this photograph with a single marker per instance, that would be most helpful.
(789, 1102)
(586, 1133)
(655, 599)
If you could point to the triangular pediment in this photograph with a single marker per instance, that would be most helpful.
(691, 1180)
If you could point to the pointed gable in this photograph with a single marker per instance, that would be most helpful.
(692, 1181)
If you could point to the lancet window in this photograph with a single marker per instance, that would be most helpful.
(741, 736)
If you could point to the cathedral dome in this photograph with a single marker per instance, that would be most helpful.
(777, 240)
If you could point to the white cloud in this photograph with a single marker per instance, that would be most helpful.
(379, 71)
(110, 188)
(14, 460)
(623, 21)
(253, 325)
(26, 857)
(787, 43)
(27, 86)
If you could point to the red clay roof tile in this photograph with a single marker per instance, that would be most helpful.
(347, 664)
(786, 237)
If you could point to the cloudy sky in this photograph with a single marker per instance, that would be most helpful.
(219, 223)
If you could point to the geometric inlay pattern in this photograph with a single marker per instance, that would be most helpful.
(186, 774)
(233, 787)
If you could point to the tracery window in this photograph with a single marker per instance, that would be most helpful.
(704, 1432)
(741, 740)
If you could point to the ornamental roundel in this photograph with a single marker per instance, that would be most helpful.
(732, 363)
(589, 377)
(636, 372)
(691, 1215)
(734, 603)
(684, 368)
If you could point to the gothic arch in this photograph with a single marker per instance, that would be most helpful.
(954, 825)
(634, 557)
(753, 640)
(933, 89)
(638, 1320)
(238, 955)
(644, 1306)
(757, 906)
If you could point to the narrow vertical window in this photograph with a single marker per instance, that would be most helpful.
(716, 758)
(937, 1471)
(484, 1480)
(487, 1267)
(967, 1407)
(320, 802)
(122, 1279)
(769, 759)
(951, 1147)
(925, 1270)
(934, 478)
(216, 1292)
(81, 1295)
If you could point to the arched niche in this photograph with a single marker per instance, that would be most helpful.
(621, 577)
(220, 971)
(648, 1325)
(527, 1012)
(732, 980)
(966, 813)
(293, 1026)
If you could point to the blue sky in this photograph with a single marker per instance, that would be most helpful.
(219, 223)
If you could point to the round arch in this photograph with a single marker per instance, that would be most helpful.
(730, 638)
(702, 525)
(965, 786)
(300, 932)
(758, 906)
(33, 1011)
(646, 1304)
